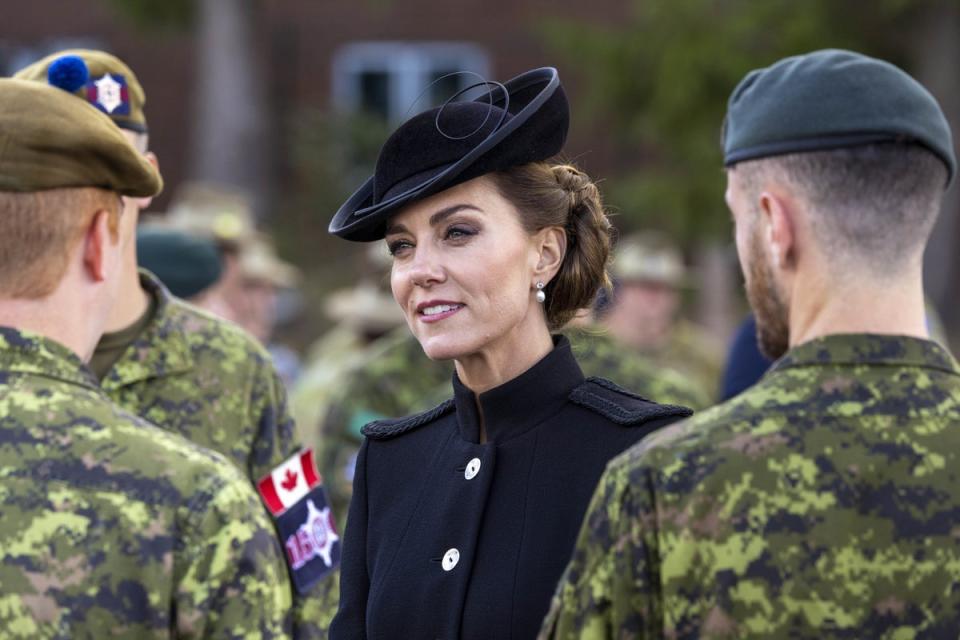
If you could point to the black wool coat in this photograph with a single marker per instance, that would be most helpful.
(449, 538)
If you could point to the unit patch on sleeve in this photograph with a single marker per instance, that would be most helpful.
(295, 495)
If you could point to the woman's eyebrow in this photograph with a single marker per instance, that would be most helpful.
(435, 219)
(443, 214)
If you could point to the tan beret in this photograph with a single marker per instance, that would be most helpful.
(49, 140)
(110, 86)
(649, 257)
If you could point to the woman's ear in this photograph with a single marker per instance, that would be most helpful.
(551, 247)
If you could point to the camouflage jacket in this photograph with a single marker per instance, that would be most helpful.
(822, 502)
(202, 377)
(112, 527)
(691, 351)
(599, 354)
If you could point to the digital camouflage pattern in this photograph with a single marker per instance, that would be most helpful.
(601, 355)
(395, 378)
(204, 378)
(822, 503)
(112, 527)
(695, 355)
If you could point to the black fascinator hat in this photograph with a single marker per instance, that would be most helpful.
(524, 120)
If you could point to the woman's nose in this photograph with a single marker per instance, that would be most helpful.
(425, 268)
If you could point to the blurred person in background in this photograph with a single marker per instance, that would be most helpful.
(823, 501)
(263, 277)
(643, 312)
(462, 516)
(362, 316)
(188, 265)
(223, 215)
(182, 369)
(111, 526)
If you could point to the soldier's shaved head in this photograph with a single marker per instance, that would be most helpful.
(871, 208)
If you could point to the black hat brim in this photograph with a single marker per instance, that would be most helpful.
(536, 130)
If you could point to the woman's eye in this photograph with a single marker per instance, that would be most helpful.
(459, 233)
(398, 246)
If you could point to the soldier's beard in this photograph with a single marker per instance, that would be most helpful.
(773, 329)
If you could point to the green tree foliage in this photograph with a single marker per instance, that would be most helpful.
(156, 14)
(660, 83)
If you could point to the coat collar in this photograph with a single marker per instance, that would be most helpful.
(161, 350)
(31, 353)
(522, 403)
(860, 349)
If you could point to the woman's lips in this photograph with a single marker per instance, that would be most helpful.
(437, 311)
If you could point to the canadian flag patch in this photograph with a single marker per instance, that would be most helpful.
(289, 482)
(295, 495)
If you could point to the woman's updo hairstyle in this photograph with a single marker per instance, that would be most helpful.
(560, 195)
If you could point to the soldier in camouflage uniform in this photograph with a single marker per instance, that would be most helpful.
(110, 526)
(643, 314)
(181, 368)
(823, 502)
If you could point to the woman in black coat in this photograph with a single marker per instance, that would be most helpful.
(463, 517)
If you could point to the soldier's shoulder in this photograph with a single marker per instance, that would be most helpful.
(204, 329)
(174, 455)
(160, 456)
(620, 405)
(391, 428)
(710, 438)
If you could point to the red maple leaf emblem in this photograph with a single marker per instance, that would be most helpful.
(289, 480)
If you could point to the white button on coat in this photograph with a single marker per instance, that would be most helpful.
(473, 468)
(450, 559)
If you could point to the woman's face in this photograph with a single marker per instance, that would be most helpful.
(463, 272)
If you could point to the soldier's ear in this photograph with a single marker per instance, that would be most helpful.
(778, 211)
(99, 246)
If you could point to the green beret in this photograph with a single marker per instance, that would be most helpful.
(828, 100)
(110, 85)
(186, 264)
(49, 140)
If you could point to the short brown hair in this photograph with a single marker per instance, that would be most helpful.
(38, 232)
(560, 195)
(872, 206)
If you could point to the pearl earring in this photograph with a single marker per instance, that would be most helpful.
(541, 296)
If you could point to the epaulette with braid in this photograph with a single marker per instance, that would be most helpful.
(385, 429)
(622, 406)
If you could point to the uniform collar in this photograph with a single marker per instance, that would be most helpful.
(161, 350)
(522, 403)
(858, 349)
(31, 353)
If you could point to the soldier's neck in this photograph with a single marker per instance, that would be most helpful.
(62, 316)
(893, 306)
(132, 301)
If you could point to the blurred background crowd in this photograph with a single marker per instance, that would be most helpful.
(266, 115)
